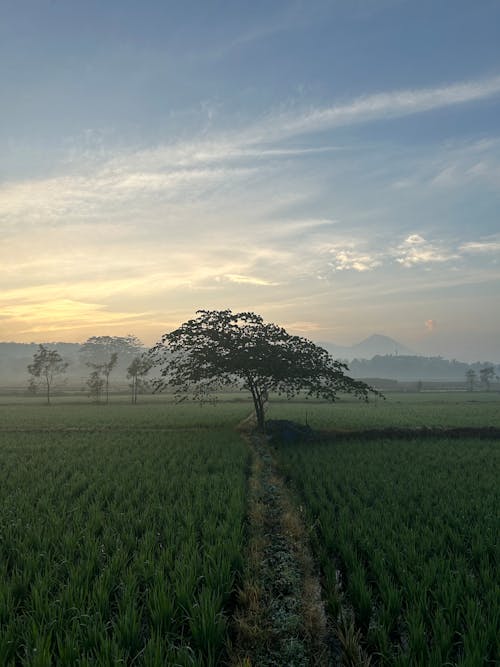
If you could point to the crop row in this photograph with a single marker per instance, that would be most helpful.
(118, 548)
(407, 535)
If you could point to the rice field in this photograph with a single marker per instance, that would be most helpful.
(122, 528)
(118, 548)
(398, 410)
(406, 533)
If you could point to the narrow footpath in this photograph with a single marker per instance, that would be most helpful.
(280, 619)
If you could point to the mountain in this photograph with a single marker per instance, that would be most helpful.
(368, 348)
(378, 344)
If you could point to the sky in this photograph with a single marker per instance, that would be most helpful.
(331, 165)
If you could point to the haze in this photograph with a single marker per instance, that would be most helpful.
(333, 166)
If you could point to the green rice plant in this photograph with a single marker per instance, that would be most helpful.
(207, 625)
(417, 639)
(127, 629)
(360, 596)
(413, 527)
(116, 539)
(161, 608)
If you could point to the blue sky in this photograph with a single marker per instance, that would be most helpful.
(334, 166)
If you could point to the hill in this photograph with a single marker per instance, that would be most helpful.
(368, 348)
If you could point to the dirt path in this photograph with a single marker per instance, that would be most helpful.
(280, 618)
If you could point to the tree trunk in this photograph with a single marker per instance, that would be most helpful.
(48, 392)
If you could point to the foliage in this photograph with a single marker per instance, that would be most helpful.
(96, 384)
(98, 349)
(486, 375)
(220, 347)
(136, 372)
(101, 354)
(108, 554)
(47, 364)
(98, 381)
(406, 534)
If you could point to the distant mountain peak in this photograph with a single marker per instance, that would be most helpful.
(378, 338)
(379, 344)
(376, 344)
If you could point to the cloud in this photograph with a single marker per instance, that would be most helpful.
(491, 245)
(387, 105)
(191, 221)
(345, 260)
(415, 250)
(248, 280)
(189, 170)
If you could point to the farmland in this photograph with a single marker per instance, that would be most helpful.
(123, 528)
(406, 533)
(118, 547)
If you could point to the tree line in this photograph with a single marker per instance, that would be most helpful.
(215, 350)
(100, 354)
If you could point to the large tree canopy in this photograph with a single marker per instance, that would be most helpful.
(220, 348)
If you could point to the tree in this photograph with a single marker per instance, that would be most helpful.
(98, 349)
(101, 354)
(47, 364)
(220, 347)
(470, 379)
(486, 374)
(136, 372)
(96, 385)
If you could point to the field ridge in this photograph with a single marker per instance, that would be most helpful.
(281, 617)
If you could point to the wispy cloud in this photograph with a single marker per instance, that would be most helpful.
(246, 280)
(386, 105)
(484, 246)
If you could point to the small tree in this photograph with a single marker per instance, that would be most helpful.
(95, 384)
(470, 379)
(99, 377)
(486, 375)
(220, 347)
(47, 364)
(136, 372)
(101, 354)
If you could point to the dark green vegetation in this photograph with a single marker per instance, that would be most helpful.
(118, 547)
(406, 533)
